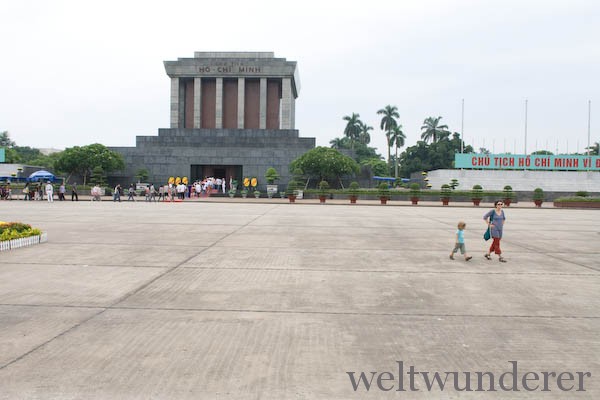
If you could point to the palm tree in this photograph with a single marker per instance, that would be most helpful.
(432, 130)
(388, 121)
(397, 139)
(363, 136)
(352, 130)
(337, 143)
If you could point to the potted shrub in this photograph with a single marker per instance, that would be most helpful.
(445, 194)
(353, 192)
(271, 176)
(232, 193)
(415, 193)
(508, 195)
(384, 192)
(244, 192)
(291, 191)
(453, 183)
(323, 191)
(299, 182)
(256, 194)
(476, 194)
(538, 197)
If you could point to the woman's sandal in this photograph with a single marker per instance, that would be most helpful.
(501, 259)
(487, 256)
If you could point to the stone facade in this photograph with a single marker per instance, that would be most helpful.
(552, 181)
(232, 115)
(205, 86)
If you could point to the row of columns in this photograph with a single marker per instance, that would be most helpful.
(178, 102)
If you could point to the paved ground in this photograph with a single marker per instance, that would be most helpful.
(224, 300)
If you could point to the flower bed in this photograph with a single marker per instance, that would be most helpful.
(577, 202)
(16, 234)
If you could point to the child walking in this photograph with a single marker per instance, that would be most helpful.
(460, 242)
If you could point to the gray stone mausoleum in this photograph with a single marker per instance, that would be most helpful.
(232, 115)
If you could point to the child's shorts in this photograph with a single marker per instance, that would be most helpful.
(458, 246)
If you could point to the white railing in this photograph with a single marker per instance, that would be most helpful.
(23, 242)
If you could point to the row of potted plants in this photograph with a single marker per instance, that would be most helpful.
(415, 193)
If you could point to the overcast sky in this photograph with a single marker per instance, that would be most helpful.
(79, 72)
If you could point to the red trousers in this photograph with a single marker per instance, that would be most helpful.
(495, 247)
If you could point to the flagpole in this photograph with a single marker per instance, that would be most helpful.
(525, 126)
(462, 127)
(589, 125)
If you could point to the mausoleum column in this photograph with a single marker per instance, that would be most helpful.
(219, 105)
(241, 102)
(197, 102)
(174, 102)
(262, 114)
(287, 104)
(181, 108)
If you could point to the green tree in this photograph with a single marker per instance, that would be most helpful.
(98, 176)
(594, 149)
(397, 138)
(432, 130)
(542, 153)
(82, 160)
(353, 128)
(27, 154)
(363, 136)
(361, 151)
(46, 161)
(10, 155)
(437, 155)
(338, 143)
(377, 166)
(142, 175)
(5, 140)
(388, 122)
(323, 163)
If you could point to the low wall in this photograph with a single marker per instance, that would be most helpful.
(550, 181)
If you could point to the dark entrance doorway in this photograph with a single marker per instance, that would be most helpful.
(199, 172)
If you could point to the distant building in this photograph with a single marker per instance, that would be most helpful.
(232, 115)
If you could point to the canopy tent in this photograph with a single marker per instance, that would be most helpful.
(41, 175)
(384, 178)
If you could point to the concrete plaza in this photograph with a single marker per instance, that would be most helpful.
(268, 300)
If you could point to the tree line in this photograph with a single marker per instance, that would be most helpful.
(94, 160)
(435, 149)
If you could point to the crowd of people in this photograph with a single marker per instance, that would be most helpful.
(37, 191)
(150, 192)
(171, 191)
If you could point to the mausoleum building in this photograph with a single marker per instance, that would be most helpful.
(232, 115)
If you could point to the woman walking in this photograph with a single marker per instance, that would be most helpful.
(495, 221)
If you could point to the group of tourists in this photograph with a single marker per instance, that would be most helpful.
(171, 191)
(38, 191)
